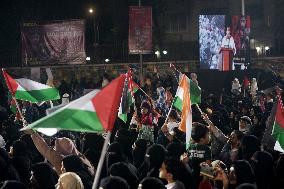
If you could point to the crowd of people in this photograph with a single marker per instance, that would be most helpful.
(149, 150)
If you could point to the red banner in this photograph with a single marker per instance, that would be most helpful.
(240, 27)
(60, 42)
(140, 30)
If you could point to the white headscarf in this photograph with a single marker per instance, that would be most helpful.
(70, 180)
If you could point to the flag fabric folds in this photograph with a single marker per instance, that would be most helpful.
(127, 98)
(94, 112)
(28, 90)
(183, 103)
(278, 126)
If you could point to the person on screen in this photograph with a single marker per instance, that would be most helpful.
(228, 41)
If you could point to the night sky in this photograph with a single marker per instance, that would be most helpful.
(14, 12)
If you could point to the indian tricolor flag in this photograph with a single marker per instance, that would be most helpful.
(94, 112)
(183, 103)
(28, 90)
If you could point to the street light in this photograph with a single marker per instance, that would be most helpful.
(266, 48)
(165, 52)
(88, 58)
(91, 10)
(107, 60)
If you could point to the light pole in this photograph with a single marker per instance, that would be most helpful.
(92, 13)
(141, 58)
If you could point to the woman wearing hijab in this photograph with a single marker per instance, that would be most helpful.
(39, 178)
(7, 170)
(69, 180)
(21, 161)
(72, 163)
(138, 152)
(122, 170)
(264, 170)
(241, 172)
(63, 147)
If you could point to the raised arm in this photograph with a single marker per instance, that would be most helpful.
(214, 130)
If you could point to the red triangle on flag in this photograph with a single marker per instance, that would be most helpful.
(107, 101)
(10, 82)
(279, 118)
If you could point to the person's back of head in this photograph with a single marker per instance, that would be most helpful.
(249, 145)
(247, 186)
(114, 154)
(156, 154)
(40, 178)
(73, 163)
(244, 172)
(70, 180)
(263, 169)
(12, 184)
(113, 182)
(170, 169)
(19, 148)
(199, 133)
(138, 152)
(123, 170)
(151, 183)
(175, 150)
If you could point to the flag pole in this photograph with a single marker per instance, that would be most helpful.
(101, 161)
(15, 100)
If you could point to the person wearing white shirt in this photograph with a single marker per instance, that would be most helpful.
(228, 41)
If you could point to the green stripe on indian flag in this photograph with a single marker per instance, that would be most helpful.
(35, 92)
(179, 99)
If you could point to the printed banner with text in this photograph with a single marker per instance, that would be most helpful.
(140, 30)
(240, 27)
(51, 43)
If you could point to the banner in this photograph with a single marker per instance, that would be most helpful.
(240, 27)
(60, 42)
(140, 30)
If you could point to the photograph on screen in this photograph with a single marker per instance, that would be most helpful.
(211, 33)
(240, 31)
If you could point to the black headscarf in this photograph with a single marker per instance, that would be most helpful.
(45, 176)
(263, 169)
(151, 183)
(123, 170)
(73, 163)
(114, 182)
(244, 172)
(138, 152)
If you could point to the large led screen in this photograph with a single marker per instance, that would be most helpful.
(211, 33)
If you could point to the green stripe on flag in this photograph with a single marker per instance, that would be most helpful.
(123, 117)
(178, 103)
(38, 95)
(195, 93)
(70, 119)
(278, 134)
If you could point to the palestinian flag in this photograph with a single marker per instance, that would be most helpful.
(183, 103)
(127, 98)
(273, 135)
(94, 112)
(278, 126)
(28, 90)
